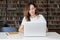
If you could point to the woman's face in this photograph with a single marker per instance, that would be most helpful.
(32, 10)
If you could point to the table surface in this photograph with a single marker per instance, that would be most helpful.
(19, 36)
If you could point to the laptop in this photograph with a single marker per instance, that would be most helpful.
(35, 29)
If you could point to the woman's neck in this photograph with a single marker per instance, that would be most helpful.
(33, 16)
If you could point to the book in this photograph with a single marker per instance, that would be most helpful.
(12, 33)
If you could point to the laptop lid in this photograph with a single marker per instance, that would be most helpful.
(35, 29)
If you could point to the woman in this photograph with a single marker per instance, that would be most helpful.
(31, 15)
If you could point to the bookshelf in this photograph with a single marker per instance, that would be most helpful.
(12, 12)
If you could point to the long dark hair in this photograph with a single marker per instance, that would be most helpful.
(27, 8)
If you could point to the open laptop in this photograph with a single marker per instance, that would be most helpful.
(35, 29)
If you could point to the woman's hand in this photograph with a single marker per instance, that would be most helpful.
(21, 29)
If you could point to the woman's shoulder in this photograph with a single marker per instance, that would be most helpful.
(24, 17)
(40, 15)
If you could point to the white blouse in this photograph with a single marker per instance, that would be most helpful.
(39, 18)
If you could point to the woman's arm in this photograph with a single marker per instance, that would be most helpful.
(46, 29)
(21, 29)
(44, 20)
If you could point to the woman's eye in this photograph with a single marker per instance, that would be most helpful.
(32, 9)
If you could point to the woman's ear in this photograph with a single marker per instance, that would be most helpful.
(35, 8)
(28, 11)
